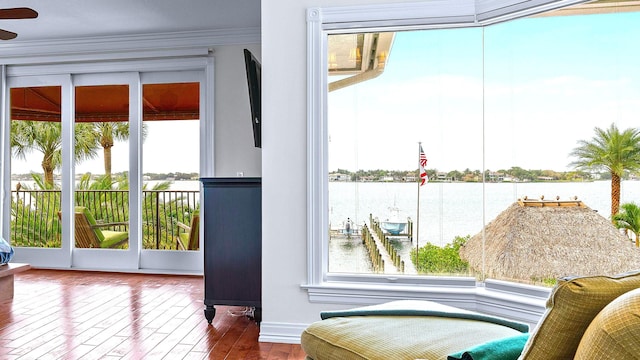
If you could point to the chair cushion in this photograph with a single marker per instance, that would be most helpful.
(396, 337)
(573, 304)
(353, 337)
(113, 238)
(615, 331)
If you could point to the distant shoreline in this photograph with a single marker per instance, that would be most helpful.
(477, 182)
(176, 185)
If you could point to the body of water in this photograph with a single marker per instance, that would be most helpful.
(182, 185)
(448, 210)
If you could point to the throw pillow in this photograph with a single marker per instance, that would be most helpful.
(615, 332)
(508, 348)
(571, 307)
(6, 251)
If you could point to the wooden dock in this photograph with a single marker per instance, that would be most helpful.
(383, 254)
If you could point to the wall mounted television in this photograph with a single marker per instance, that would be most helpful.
(255, 88)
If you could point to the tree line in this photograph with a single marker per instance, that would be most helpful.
(467, 175)
(611, 153)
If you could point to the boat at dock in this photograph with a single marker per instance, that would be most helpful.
(393, 225)
(393, 228)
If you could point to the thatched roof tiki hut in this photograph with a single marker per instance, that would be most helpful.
(541, 239)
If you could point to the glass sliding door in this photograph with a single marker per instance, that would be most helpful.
(106, 109)
(171, 170)
(36, 133)
(102, 169)
(36, 114)
(101, 146)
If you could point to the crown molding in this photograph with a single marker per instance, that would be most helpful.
(429, 14)
(114, 47)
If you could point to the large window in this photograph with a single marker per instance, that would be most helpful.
(428, 88)
(499, 113)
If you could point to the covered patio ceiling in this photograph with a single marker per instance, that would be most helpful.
(107, 103)
(357, 57)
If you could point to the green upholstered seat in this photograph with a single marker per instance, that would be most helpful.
(89, 233)
(383, 337)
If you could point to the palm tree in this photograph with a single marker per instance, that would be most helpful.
(46, 137)
(612, 150)
(629, 219)
(106, 133)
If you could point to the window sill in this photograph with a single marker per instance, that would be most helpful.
(518, 302)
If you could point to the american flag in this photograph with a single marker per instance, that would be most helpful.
(423, 164)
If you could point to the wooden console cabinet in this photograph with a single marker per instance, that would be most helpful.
(232, 244)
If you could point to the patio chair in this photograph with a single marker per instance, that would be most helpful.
(89, 233)
(191, 234)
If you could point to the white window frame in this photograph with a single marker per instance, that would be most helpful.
(193, 65)
(516, 301)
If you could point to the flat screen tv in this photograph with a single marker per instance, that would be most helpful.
(255, 88)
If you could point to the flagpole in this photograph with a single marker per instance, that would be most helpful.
(418, 209)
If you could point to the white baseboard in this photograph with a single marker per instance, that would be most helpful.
(281, 332)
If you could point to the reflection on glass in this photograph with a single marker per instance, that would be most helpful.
(35, 164)
(498, 112)
(171, 164)
(102, 164)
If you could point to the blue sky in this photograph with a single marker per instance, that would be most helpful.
(548, 82)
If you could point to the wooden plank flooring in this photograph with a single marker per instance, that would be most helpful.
(94, 315)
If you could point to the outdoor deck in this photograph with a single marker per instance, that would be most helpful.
(35, 220)
(91, 315)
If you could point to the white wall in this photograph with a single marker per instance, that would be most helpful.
(284, 264)
(234, 150)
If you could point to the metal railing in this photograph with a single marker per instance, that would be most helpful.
(35, 214)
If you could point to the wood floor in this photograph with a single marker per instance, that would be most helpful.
(94, 315)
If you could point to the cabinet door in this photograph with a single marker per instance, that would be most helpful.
(233, 239)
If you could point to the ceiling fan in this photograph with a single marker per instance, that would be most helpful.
(12, 14)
